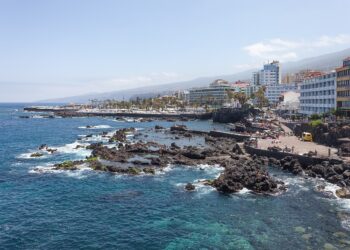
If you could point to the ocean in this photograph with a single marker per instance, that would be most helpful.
(84, 209)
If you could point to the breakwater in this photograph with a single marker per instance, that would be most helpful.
(76, 113)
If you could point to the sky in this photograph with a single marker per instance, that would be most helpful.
(59, 48)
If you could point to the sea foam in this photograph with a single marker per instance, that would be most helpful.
(95, 127)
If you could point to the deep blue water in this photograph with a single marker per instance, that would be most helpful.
(88, 210)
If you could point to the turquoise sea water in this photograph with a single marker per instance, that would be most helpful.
(89, 210)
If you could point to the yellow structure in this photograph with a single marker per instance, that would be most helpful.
(306, 136)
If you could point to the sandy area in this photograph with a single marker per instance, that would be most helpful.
(300, 147)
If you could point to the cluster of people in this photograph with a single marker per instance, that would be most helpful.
(288, 150)
(276, 141)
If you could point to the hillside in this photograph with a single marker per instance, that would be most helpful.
(322, 62)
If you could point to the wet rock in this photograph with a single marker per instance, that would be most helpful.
(207, 182)
(51, 150)
(46, 148)
(43, 147)
(158, 127)
(174, 146)
(36, 155)
(318, 170)
(149, 170)
(346, 174)
(96, 165)
(246, 173)
(68, 165)
(327, 194)
(343, 193)
(190, 187)
(291, 164)
(192, 154)
(237, 149)
(334, 179)
(181, 128)
(274, 162)
(188, 135)
(120, 135)
(133, 171)
(338, 169)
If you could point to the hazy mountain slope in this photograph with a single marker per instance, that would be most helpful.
(323, 62)
(149, 90)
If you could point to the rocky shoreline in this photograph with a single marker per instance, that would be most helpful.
(241, 170)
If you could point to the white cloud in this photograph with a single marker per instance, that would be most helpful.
(285, 50)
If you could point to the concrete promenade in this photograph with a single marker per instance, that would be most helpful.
(300, 147)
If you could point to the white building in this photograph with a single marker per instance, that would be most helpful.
(215, 94)
(274, 92)
(318, 94)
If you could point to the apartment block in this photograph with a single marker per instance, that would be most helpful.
(343, 87)
(318, 94)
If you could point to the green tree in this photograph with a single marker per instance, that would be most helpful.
(260, 97)
(314, 117)
(240, 97)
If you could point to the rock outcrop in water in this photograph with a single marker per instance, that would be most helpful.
(334, 173)
(247, 173)
(120, 135)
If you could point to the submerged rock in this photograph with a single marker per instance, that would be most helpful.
(328, 246)
(306, 236)
(299, 229)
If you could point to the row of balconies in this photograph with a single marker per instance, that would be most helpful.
(317, 97)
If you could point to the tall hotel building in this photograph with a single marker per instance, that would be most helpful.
(318, 94)
(270, 74)
(343, 88)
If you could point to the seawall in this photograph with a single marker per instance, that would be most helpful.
(304, 160)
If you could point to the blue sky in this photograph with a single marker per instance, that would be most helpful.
(61, 48)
